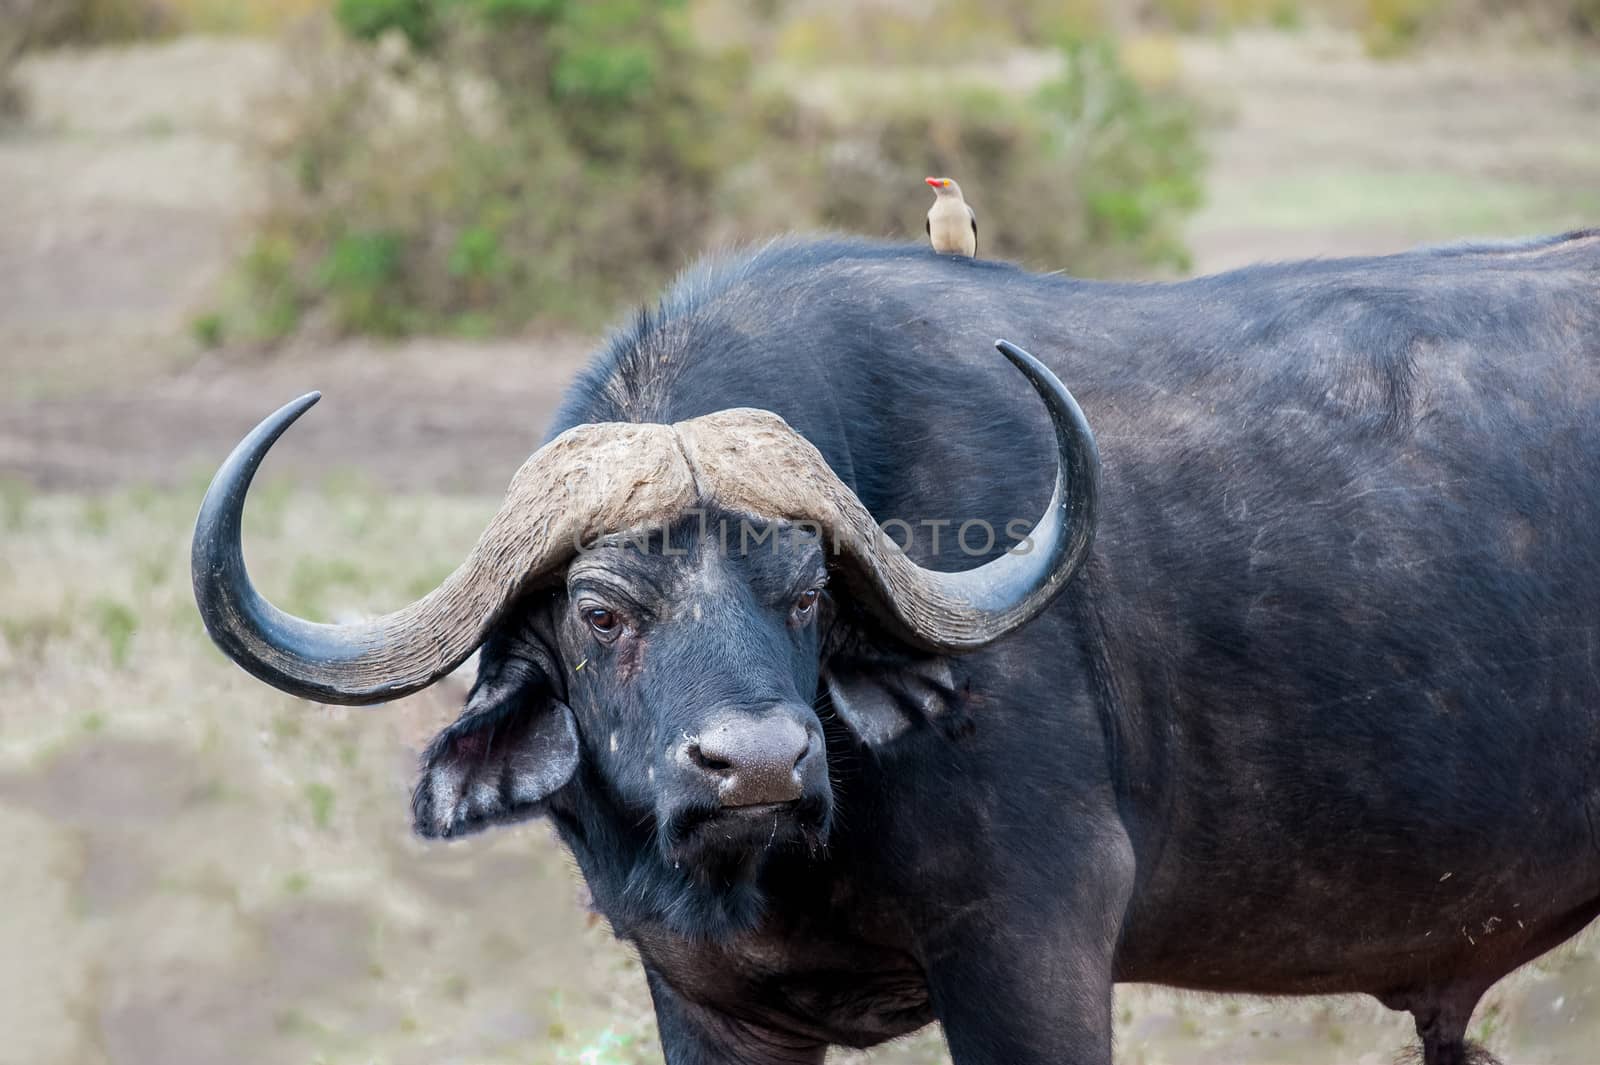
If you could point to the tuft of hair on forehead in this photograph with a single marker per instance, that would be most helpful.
(771, 553)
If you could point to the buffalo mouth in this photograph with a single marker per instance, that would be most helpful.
(713, 837)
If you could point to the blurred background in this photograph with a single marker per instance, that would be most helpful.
(429, 209)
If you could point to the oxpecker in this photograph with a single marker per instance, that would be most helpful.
(952, 225)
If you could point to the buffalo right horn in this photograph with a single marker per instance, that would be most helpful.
(590, 479)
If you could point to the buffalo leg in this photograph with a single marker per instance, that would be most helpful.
(1442, 1019)
(1027, 979)
(693, 1035)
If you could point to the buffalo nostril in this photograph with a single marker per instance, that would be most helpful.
(753, 759)
(708, 762)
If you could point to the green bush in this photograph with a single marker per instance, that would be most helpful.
(1585, 17)
(1092, 174)
(16, 28)
(1392, 27)
(485, 163)
(931, 32)
(58, 22)
(1222, 15)
(528, 158)
(370, 19)
(1137, 157)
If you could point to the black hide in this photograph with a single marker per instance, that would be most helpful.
(1322, 714)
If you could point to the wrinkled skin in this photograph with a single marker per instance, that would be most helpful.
(1322, 714)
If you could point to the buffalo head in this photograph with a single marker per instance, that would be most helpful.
(653, 603)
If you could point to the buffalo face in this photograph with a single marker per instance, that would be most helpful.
(666, 691)
(698, 674)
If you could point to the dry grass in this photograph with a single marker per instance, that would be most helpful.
(224, 873)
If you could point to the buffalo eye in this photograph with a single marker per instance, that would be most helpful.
(602, 622)
(806, 604)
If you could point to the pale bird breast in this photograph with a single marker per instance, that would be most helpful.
(950, 227)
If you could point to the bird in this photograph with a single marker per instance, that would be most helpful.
(952, 225)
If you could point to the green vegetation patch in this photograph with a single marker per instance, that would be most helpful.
(471, 166)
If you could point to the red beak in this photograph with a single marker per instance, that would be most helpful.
(935, 182)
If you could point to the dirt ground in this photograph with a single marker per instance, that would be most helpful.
(199, 870)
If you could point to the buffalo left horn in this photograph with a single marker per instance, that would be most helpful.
(937, 611)
(613, 477)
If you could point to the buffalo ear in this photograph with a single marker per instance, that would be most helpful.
(514, 745)
(881, 696)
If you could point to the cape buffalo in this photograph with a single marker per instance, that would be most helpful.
(1317, 708)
